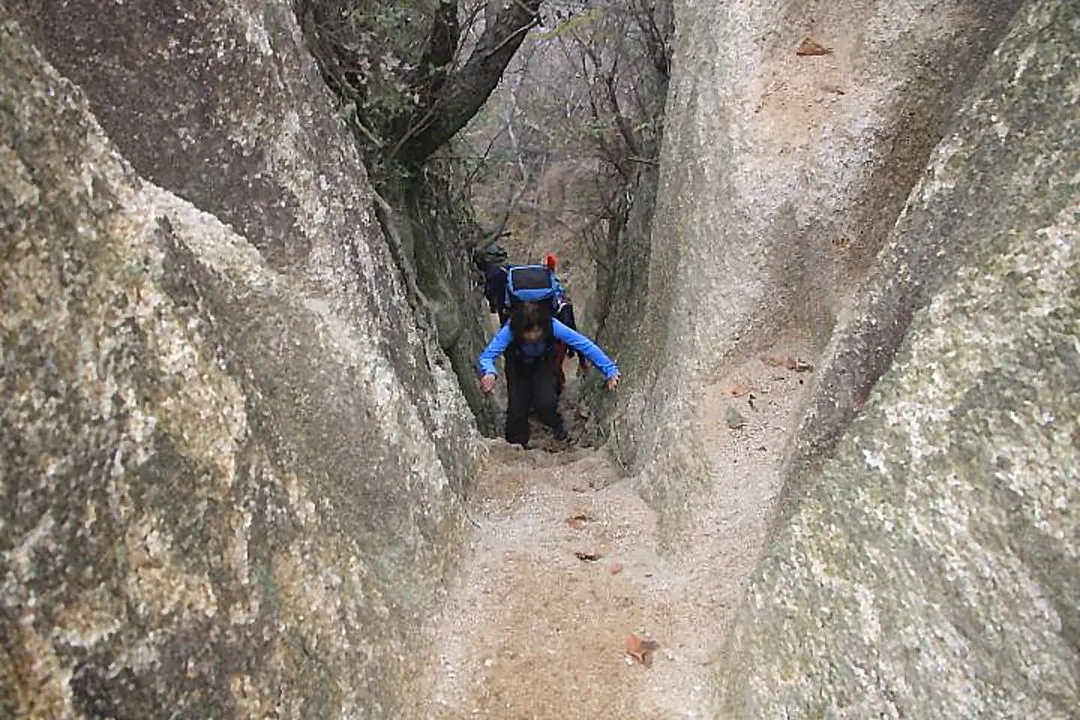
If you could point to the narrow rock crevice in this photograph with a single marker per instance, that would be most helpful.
(242, 471)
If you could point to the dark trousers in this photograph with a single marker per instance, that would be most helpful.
(531, 386)
(560, 376)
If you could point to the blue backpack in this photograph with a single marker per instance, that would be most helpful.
(510, 285)
(531, 283)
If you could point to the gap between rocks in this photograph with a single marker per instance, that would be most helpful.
(529, 630)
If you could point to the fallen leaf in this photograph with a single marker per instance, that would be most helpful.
(641, 649)
(634, 647)
(577, 522)
(737, 390)
(809, 47)
(587, 556)
(615, 568)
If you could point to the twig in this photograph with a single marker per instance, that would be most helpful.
(509, 38)
(367, 133)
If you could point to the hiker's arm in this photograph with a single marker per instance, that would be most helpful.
(494, 349)
(586, 347)
(565, 315)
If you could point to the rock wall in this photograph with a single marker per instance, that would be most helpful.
(437, 234)
(923, 565)
(222, 104)
(932, 567)
(977, 182)
(782, 175)
(229, 459)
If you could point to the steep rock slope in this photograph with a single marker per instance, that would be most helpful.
(931, 565)
(221, 104)
(782, 175)
(227, 484)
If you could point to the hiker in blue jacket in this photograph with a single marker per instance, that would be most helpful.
(529, 341)
(492, 262)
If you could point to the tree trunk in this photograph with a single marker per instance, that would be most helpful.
(465, 91)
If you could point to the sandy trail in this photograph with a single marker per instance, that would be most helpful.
(529, 630)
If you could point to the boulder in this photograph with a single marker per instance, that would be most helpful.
(781, 177)
(222, 104)
(989, 172)
(929, 565)
(230, 462)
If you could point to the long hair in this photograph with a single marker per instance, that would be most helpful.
(528, 316)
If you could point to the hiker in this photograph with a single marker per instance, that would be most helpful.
(528, 340)
(492, 263)
(564, 313)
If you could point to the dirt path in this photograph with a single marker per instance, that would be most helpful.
(532, 631)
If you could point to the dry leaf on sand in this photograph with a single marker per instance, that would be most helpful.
(578, 521)
(789, 363)
(737, 390)
(809, 47)
(641, 648)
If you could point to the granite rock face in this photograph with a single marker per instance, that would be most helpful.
(222, 105)
(781, 177)
(929, 565)
(228, 486)
(1000, 164)
(908, 203)
(435, 234)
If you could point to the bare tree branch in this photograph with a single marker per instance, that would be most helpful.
(466, 90)
(625, 129)
(509, 115)
(430, 75)
(467, 182)
(656, 44)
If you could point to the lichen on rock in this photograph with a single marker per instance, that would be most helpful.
(219, 493)
(928, 566)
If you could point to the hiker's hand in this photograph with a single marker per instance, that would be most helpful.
(487, 384)
(613, 382)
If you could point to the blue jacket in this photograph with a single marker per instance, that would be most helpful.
(532, 351)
